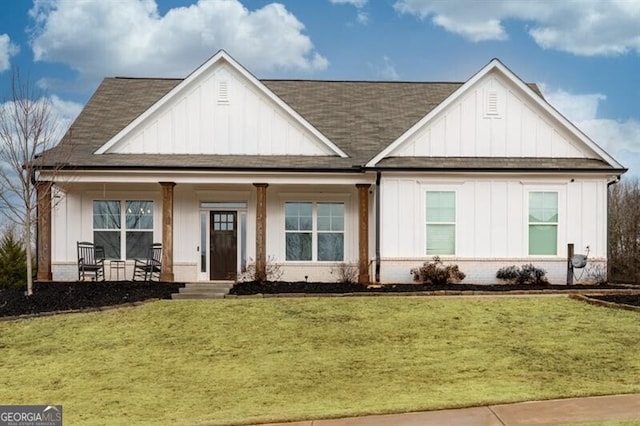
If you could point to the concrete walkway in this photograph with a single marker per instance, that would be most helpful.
(547, 413)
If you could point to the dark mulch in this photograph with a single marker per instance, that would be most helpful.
(248, 288)
(51, 297)
(624, 299)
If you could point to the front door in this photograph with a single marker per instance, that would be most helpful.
(224, 245)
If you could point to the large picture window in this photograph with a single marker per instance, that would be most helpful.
(130, 222)
(441, 222)
(314, 231)
(543, 223)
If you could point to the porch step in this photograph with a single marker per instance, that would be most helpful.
(207, 290)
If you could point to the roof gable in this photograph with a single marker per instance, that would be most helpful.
(220, 109)
(494, 114)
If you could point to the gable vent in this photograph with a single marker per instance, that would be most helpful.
(491, 106)
(223, 92)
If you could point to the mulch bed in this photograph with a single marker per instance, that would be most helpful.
(72, 296)
(248, 288)
(52, 297)
(621, 299)
(271, 288)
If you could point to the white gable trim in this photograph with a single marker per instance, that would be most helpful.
(495, 64)
(218, 57)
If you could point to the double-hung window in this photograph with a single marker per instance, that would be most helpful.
(314, 231)
(441, 222)
(543, 223)
(123, 227)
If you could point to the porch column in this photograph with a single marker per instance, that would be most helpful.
(363, 233)
(166, 274)
(43, 191)
(261, 231)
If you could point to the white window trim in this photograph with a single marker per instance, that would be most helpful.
(341, 199)
(123, 196)
(560, 189)
(123, 222)
(423, 216)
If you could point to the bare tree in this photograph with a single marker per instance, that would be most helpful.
(624, 231)
(27, 129)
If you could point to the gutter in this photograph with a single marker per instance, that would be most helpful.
(613, 181)
(142, 168)
(498, 170)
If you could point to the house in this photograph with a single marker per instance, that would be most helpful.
(224, 169)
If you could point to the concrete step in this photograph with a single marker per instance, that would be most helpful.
(211, 285)
(204, 290)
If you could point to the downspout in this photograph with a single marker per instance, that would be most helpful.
(378, 176)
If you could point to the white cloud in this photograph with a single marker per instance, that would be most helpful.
(576, 108)
(581, 27)
(7, 50)
(362, 17)
(131, 38)
(63, 113)
(621, 139)
(386, 70)
(356, 3)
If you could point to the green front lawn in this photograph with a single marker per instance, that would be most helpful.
(260, 360)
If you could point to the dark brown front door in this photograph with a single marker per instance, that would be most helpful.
(224, 245)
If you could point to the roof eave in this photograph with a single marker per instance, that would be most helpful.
(547, 170)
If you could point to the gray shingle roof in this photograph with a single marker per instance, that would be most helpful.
(362, 118)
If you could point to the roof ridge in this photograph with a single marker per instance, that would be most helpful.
(145, 78)
(302, 80)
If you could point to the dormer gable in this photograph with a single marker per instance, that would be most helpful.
(221, 109)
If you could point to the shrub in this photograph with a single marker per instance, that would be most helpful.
(345, 273)
(526, 274)
(274, 271)
(436, 273)
(596, 273)
(13, 262)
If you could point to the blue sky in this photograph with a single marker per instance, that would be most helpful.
(584, 54)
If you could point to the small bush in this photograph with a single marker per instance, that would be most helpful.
(345, 273)
(526, 274)
(13, 262)
(596, 273)
(274, 271)
(436, 273)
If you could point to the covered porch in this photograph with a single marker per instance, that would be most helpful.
(213, 226)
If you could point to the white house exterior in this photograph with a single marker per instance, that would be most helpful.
(225, 170)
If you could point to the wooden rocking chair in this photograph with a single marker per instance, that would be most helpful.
(149, 269)
(90, 261)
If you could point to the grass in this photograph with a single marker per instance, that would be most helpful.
(259, 360)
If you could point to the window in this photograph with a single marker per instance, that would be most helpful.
(441, 222)
(543, 223)
(330, 231)
(314, 231)
(106, 227)
(137, 233)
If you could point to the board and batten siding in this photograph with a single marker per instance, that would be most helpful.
(513, 127)
(224, 114)
(72, 221)
(491, 223)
